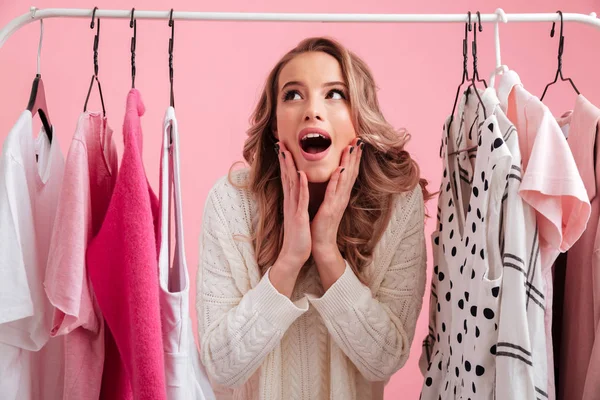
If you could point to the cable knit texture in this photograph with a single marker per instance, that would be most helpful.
(341, 344)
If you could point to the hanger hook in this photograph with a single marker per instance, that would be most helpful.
(133, 24)
(479, 20)
(96, 40)
(39, 53)
(93, 18)
(470, 25)
(501, 17)
(554, 24)
(171, 41)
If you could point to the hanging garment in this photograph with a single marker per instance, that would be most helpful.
(123, 268)
(31, 363)
(486, 335)
(185, 375)
(259, 344)
(579, 372)
(551, 185)
(90, 173)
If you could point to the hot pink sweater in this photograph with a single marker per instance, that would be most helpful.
(122, 265)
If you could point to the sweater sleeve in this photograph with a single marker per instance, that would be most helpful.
(376, 331)
(237, 330)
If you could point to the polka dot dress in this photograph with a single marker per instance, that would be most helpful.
(465, 292)
(486, 330)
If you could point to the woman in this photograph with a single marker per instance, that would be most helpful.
(312, 264)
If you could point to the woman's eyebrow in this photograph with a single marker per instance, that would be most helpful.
(335, 83)
(327, 84)
(292, 83)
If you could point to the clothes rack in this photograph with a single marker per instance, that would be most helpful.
(36, 14)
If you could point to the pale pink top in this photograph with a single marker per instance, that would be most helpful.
(579, 366)
(551, 185)
(123, 267)
(89, 178)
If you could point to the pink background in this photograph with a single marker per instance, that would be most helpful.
(220, 68)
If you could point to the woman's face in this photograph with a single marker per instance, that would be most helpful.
(313, 114)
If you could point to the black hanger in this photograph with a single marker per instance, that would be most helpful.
(561, 47)
(171, 40)
(133, 24)
(474, 51)
(37, 98)
(465, 72)
(472, 86)
(95, 76)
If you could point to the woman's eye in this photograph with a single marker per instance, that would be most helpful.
(336, 94)
(291, 95)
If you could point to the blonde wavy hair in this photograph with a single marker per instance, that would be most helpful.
(386, 168)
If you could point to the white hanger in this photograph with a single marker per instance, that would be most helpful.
(500, 68)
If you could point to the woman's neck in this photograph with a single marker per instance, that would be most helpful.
(316, 191)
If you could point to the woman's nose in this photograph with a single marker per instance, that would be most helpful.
(313, 111)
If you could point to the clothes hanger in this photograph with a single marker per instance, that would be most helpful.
(472, 86)
(465, 71)
(474, 51)
(171, 41)
(500, 68)
(133, 24)
(95, 76)
(37, 98)
(561, 47)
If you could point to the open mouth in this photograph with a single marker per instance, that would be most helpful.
(315, 143)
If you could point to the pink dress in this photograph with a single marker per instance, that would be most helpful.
(579, 370)
(123, 267)
(88, 182)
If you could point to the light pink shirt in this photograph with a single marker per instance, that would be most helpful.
(579, 368)
(89, 178)
(551, 185)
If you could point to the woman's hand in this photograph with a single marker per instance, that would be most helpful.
(324, 227)
(296, 223)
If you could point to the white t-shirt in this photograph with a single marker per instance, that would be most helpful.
(31, 365)
(185, 376)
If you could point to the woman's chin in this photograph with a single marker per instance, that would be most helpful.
(319, 175)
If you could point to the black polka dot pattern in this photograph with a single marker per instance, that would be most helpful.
(479, 370)
(466, 303)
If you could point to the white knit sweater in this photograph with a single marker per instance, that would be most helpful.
(343, 344)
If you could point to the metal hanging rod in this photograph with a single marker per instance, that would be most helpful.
(37, 14)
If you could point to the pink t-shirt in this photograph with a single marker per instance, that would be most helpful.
(89, 178)
(123, 268)
(579, 368)
(551, 185)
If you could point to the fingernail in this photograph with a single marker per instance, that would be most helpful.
(362, 145)
(360, 141)
(298, 173)
(351, 149)
(283, 154)
(342, 170)
(276, 149)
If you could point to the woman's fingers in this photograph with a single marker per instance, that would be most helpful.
(303, 195)
(351, 164)
(291, 176)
